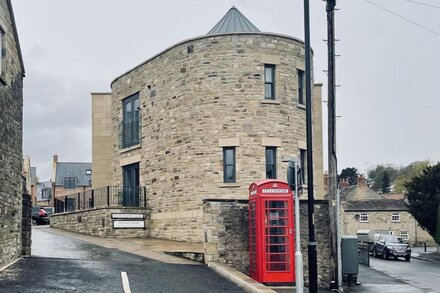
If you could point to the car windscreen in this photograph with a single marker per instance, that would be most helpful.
(393, 240)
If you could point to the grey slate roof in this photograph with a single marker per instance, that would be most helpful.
(77, 170)
(233, 22)
(375, 205)
(355, 192)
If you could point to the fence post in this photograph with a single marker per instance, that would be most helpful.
(108, 196)
(79, 201)
(92, 202)
(145, 197)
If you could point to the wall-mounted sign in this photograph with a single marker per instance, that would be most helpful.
(128, 224)
(128, 216)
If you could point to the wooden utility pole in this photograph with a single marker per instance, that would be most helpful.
(332, 161)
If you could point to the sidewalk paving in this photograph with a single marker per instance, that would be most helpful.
(431, 254)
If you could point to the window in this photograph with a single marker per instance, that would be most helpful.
(395, 217)
(363, 218)
(88, 172)
(271, 162)
(45, 193)
(404, 235)
(130, 121)
(269, 82)
(301, 87)
(303, 158)
(229, 164)
(69, 183)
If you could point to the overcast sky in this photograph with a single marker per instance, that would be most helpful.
(388, 69)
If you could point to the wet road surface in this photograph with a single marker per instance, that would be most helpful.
(62, 264)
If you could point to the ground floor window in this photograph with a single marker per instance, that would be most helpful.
(404, 235)
(131, 188)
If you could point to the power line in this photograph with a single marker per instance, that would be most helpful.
(404, 18)
(421, 3)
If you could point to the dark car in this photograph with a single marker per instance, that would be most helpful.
(391, 246)
(39, 216)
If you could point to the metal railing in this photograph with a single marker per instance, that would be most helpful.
(109, 196)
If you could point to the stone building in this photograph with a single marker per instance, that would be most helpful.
(364, 209)
(208, 116)
(44, 193)
(11, 129)
(70, 178)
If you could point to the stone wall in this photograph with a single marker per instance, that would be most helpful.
(381, 220)
(26, 225)
(194, 103)
(226, 236)
(98, 222)
(11, 128)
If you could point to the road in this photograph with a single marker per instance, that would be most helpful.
(421, 274)
(63, 264)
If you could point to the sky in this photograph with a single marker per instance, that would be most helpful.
(388, 99)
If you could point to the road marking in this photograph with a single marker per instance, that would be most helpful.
(125, 283)
(435, 273)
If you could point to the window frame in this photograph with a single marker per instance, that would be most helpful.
(88, 171)
(271, 83)
(68, 183)
(395, 217)
(272, 164)
(301, 87)
(130, 123)
(363, 218)
(225, 165)
(404, 233)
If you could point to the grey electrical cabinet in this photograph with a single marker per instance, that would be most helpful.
(349, 254)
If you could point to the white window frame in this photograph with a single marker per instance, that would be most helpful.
(404, 235)
(395, 217)
(363, 218)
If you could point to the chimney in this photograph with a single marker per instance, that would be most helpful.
(54, 167)
(343, 183)
(361, 181)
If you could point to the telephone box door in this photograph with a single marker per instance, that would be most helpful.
(278, 244)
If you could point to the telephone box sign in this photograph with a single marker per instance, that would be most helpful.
(271, 190)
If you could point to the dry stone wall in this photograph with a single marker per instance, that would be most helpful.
(197, 97)
(226, 236)
(98, 222)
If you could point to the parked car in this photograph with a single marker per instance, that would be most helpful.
(39, 216)
(369, 237)
(391, 246)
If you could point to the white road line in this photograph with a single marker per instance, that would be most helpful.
(125, 283)
(434, 273)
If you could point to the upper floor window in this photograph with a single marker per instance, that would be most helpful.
(269, 82)
(45, 193)
(229, 164)
(130, 121)
(301, 87)
(303, 159)
(395, 217)
(363, 218)
(88, 172)
(69, 183)
(271, 162)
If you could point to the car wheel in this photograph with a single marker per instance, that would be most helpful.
(385, 254)
(407, 257)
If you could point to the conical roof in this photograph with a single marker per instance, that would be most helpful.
(233, 22)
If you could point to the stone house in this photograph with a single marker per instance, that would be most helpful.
(44, 193)
(208, 116)
(70, 178)
(11, 133)
(364, 209)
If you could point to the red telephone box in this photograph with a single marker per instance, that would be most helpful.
(271, 232)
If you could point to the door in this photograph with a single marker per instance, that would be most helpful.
(278, 238)
(130, 194)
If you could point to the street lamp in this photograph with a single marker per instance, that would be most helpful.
(292, 171)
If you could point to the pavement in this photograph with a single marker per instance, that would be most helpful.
(431, 254)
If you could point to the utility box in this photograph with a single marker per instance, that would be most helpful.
(271, 231)
(349, 254)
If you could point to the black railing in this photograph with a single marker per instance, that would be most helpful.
(110, 196)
